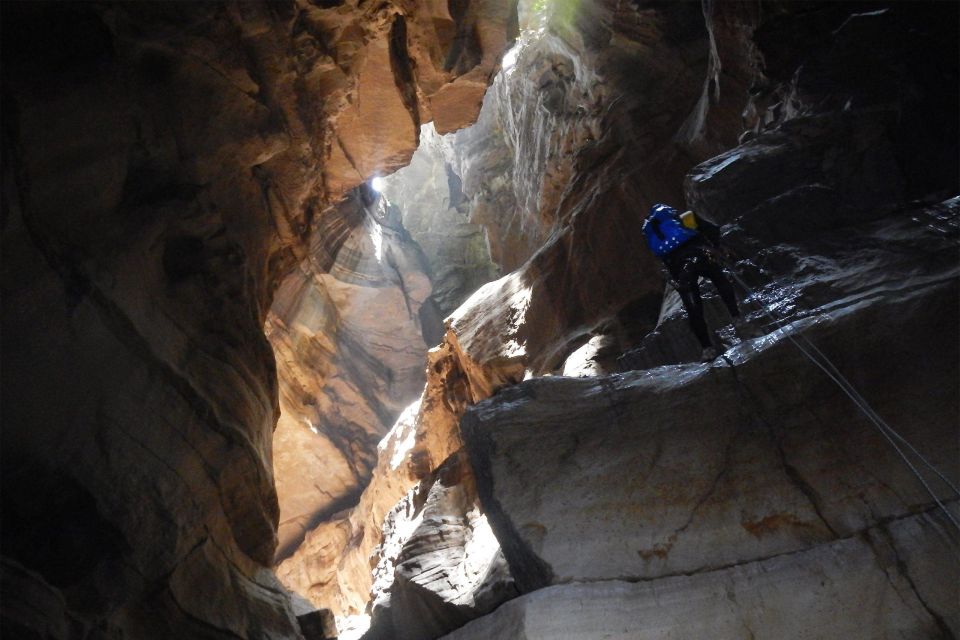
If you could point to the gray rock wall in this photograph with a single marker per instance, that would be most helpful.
(851, 588)
(756, 464)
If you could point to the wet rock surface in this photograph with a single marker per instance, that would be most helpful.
(690, 469)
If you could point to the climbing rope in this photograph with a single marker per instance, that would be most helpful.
(817, 357)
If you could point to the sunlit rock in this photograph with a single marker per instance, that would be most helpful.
(344, 374)
(439, 565)
(470, 364)
(434, 211)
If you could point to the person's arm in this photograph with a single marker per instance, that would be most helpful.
(709, 230)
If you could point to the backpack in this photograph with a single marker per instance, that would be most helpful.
(665, 231)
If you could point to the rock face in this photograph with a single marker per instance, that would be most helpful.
(750, 496)
(753, 474)
(345, 375)
(492, 339)
(605, 112)
(440, 565)
(770, 444)
(164, 168)
(589, 116)
(849, 588)
(333, 566)
(434, 210)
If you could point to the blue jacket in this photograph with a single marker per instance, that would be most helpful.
(664, 230)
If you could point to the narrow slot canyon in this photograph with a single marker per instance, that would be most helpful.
(344, 319)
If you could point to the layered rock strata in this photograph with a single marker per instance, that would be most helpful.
(440, 565)
(843, 589)
(345, 374)
(164, 167)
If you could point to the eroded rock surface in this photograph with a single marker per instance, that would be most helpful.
(346, 374)
(439, 565)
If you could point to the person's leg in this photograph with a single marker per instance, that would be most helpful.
(689, 290)
(714, 272)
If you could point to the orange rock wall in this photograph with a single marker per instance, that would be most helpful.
(165, 166)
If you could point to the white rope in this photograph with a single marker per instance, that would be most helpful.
(885, 429)
(876, 417)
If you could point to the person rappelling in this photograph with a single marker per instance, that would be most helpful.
(690, 249)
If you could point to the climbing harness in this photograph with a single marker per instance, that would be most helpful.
(817, 357)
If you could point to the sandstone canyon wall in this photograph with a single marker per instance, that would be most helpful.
(831, 167)
(165, 167)
(187, 262)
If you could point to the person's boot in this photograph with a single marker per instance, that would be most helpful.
(709, 354)
(745, 331)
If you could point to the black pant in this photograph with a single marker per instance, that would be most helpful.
(687, 264)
